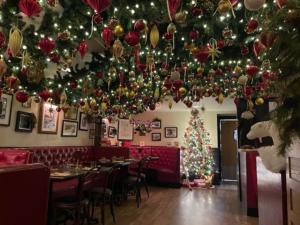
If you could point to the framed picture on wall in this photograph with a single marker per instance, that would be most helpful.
(156, 136)
(48, 118)
(156, 124)
(71, 114)
(83, 122)
(69, 128)
(112, 131)
(5, 109)
(170, 132)
(24, 122)
(125, 130)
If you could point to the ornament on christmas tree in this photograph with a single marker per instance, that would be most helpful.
(258, 48)
(213, 50)
(224, 6)
(180, 18)
(154, 36)
(251, 26)
(107, 35)
(2, 39)
(227, 33)
(98, 5)
(118, 30)
(12, 82)
(254, 5)
(118, 49)
(3, 68)
(45, 94)
(172, 6)
(35, 72)
(202, 54)
(132, 38)
(139, 25)
(82, 48)
(30, 7)
(15, 41)
(22, 96)
(46, 45)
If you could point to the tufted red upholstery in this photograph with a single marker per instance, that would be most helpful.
(53, 156)
(109, 152)
(167, 168)
(24, 194)
(13, 156)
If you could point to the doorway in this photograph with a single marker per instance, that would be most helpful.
(228, 150)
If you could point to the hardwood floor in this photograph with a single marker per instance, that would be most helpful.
(168, 206)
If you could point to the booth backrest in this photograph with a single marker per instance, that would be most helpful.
(13, 156)
(24, 194)
(109, 152)
(53, 156)
(169, 157)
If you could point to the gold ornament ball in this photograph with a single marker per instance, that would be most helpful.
(200, 70)
(259, 101)
(118, 31)
(171, 28)
(182, 91)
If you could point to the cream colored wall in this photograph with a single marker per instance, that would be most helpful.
(10, 138)
(180, 120)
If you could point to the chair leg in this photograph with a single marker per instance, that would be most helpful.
(146, 187)
(102, 213)
(112, 211)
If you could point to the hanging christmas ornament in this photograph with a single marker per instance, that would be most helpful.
(267, 38)
(227, 33)
(251, 70)
(45, 94)
(22, 96)
(15, 41)
(2, 39)
(132, 38)
(118, 30)
(251, 26)
(281, 3)
(12, 82)
(259, 101)
(254, 5)
(258, 48)
(213, 50)
(64, 36)
(180, 18)
(30, 7)
(202, 54)
(46, 45)
(107, 35)
(82, 48)
(196, 11)
(172, 6)
(171, 28)
(139, 25)
(154, 36)
(35, 72)
(224, 6)
(170, 104)
(243, 80)
(118, 49)
(194, 34)
(98, 5)
(3, 68)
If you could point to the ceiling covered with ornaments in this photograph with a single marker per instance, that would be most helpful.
(123, 57)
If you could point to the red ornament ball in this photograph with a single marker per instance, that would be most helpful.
(196, 11)
(132, 38)
(46, 45)
(22, 96)
(139, 25)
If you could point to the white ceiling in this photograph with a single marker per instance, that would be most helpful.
(209, 103)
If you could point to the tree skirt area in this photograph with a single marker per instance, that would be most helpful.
(196, 183)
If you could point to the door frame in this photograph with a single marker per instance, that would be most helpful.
(219, 118)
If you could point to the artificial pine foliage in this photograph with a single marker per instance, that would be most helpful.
(197, 157)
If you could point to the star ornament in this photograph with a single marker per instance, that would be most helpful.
(213, 50)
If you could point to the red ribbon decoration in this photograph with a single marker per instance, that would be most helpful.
(30, 7)
(98, 5)
(172, 6)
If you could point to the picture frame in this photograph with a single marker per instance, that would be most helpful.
(69, 128)
(24, 122)
(83, 122)
(5, 109)
(170, 132)
(71, 114)
(156, 124)
(48, 118)
(125, 130)
(112, 131)
(156, 136)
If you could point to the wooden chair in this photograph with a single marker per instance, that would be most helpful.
(103, 193)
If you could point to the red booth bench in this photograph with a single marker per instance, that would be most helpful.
(23, 200)
(166, 170)
(10, 156)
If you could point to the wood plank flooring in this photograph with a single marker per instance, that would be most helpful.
(168, 206)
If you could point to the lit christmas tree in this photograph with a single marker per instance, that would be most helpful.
(197, 158)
